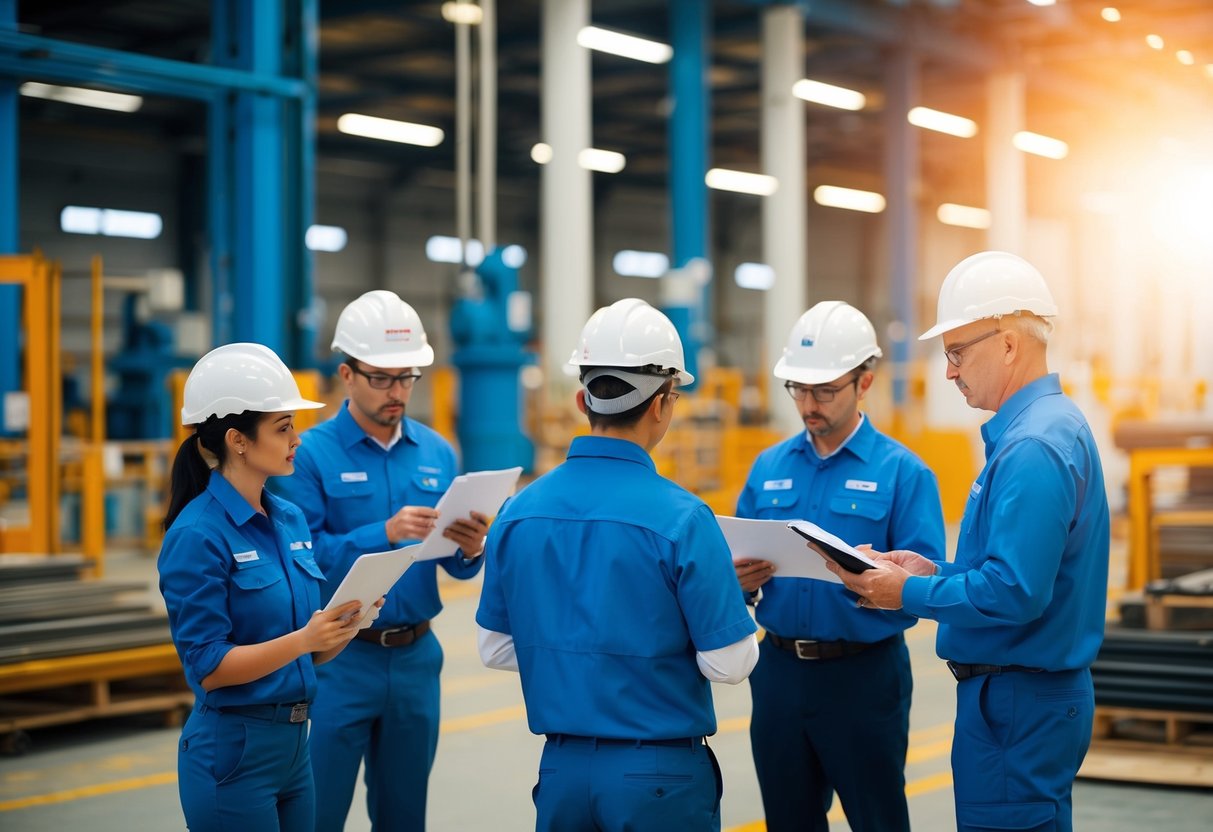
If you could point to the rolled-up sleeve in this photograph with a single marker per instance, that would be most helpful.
(194, 582)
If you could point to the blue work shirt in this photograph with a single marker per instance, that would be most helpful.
(349, 486)
(1030, 580)
(609, 578)
(871, 490)
(231, 576)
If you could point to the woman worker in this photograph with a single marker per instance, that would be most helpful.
(242, 590)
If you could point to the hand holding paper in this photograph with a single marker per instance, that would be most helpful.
(481, 492)
(369, 579)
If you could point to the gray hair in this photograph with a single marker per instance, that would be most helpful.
(1026, 323)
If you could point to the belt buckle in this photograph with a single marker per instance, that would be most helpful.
(956, 671)
(803, 644)
(299, 712)
(383, 634)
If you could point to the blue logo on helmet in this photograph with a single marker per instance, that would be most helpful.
(806, 342)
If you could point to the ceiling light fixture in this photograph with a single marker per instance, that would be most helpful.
(469, 14)
(1154, 41)
(964, 216)
(603, 161)
(758, 184)
(541, 153)
(1040, 145)
(625, 46)
(629, 263)
(1185, 57)
(1110, 14)
(121, 102)
(942, 122)
(817, 92)
(851, 199)
(390, 130)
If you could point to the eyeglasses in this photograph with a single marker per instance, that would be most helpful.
(383, 381)
(820, 393)
(954, 355)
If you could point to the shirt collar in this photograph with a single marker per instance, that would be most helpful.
(351, 433)
(859, 443)
(992, 431)
(227, 496)
(610, 448)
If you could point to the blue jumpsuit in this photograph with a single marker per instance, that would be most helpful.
(610, 578)
(231, 576)
(837, 724)
(1028, 587)
(378, 703)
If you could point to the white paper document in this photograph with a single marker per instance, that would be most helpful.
(370, 578)
(772, 540)
(479, 491)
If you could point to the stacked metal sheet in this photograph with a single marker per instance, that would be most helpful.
(1159, 670)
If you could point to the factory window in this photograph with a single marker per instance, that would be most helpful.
(326, 238)
(630, 263)
(758, 276)
(110, 222)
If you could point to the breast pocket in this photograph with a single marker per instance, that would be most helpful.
(255, 575)
(352, 504)
(771, 504)
(306, 563)
(431, 486)
(859, 518)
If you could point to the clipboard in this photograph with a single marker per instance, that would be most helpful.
(481, 491)
(841, 552)
(772, 540)
(370, 578)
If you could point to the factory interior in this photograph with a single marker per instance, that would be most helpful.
(176, 176)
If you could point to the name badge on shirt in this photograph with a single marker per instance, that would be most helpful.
(861, 485)
(428, 469)
(353, 476)
(777, 485)
(244, 557)
(298, 544)
(975, 490)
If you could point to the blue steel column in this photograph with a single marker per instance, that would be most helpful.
(10, 239)
(300, 191)
(249, 36)
(688, 152)
(901, 177)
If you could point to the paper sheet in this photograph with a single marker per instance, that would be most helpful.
(772, 540)
(370, 578)
(480, 491)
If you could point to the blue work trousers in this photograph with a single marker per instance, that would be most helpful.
(589, 786)
(841, 725)
(1020, 739)
(237, 773)
(380, 704)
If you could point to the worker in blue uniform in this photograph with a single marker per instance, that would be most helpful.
(1021, 608)
(240, 581)
(367, 481)
(610, 590)
(831, 692)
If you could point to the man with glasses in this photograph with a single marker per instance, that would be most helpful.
(1021, 609)
(831, 691)
(368, 481)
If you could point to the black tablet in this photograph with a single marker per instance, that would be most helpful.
(844, 559)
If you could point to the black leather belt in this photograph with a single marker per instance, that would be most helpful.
(394, 636)
(967, 671)
(292, 712)
(811, 649)
(679, 742)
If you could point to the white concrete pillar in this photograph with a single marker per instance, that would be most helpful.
(566, 212)
(1006, 181)
(784, 217)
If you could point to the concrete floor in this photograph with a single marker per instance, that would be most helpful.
(120, 774)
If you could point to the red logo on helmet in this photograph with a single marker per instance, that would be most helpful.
(397, 334)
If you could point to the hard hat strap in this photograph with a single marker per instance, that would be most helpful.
(645, 385)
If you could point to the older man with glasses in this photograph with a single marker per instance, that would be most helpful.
(832, 687)
(368, 481)
(1021, 608)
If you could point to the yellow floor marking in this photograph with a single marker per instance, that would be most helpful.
(473, 721)
(457, 590)
(463, 684)
(163, 778)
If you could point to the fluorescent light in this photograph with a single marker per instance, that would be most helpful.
(757, 276)
(626, 46)
(331, 238)
(965, 216)
(829, 95)
(467, 13)
(1209, 70)
(390, 130)
(1040, 145)
(85, 98)
(541, 153)
(942, 122)
(628, 263)
(513, 256)
(1154, 41)
(603, 161)
(1042, 2)
(1185, 57)
(443, 249)
(851, 199)
(1110, 14)
(110, 222)
(741, 182)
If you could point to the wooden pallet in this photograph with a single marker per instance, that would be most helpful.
(1151, 746)
(44, 692)
(1179, 612)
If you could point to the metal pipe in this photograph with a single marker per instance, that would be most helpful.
(486, 174)
(463, 132)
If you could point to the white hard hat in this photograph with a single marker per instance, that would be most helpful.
(384, 331)
(630, 333)
(828, 340)
(239, 377)
(989, 284)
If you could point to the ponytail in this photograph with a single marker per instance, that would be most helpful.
(191, 470)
